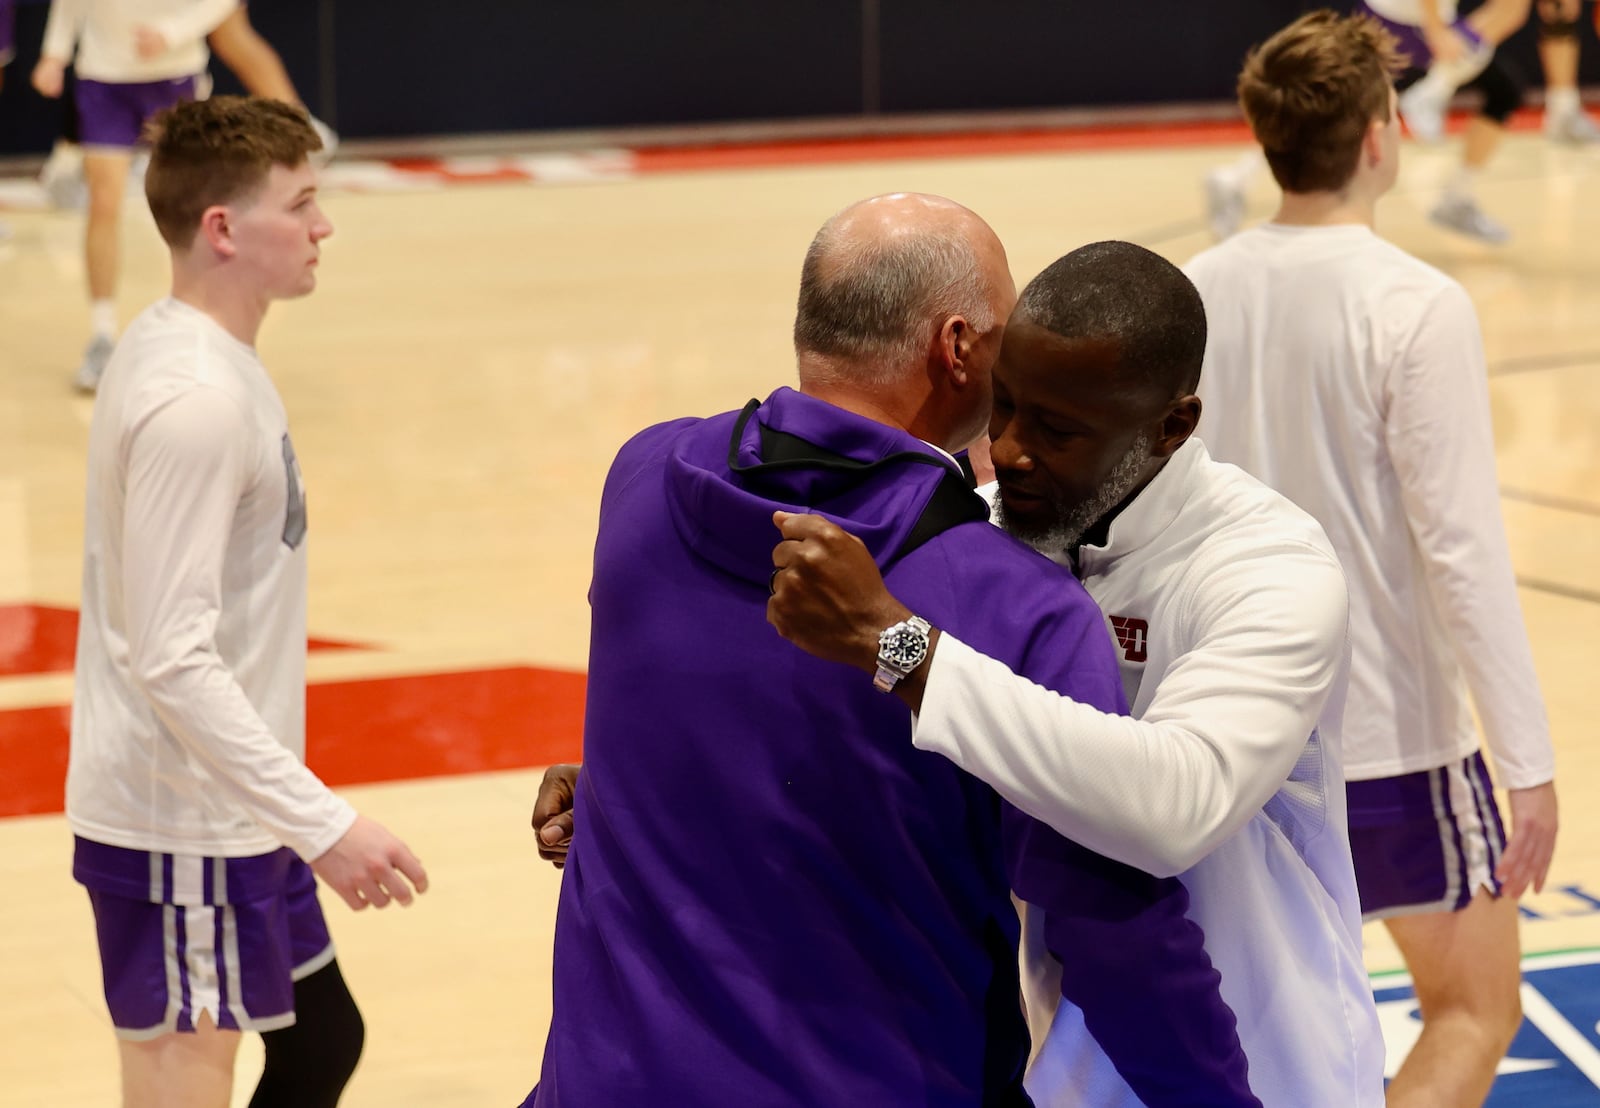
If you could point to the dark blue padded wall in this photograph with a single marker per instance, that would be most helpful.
(391, 68)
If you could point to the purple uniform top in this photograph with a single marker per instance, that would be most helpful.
(775, 899)
(8, 31)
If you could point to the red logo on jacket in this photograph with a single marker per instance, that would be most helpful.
(1133, 635)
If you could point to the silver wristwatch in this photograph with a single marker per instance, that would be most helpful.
(901, 649)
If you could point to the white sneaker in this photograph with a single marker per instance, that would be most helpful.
(136, 171)
(1423, 111)
(1224, 203)
(62, 181)
(1462, 215)
(330, 142)
(93, 367)
(1572, 128)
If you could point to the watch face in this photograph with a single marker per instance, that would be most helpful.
(903, 647)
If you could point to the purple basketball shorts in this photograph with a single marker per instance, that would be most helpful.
(181, 934)
(1413, 46)
(112, 116)
(1426, 841)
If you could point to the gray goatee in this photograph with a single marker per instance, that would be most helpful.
(1068, 522)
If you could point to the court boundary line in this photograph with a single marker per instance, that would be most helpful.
(1544, 500)
(1555, 588)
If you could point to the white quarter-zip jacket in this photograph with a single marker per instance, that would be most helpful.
(1230, 614)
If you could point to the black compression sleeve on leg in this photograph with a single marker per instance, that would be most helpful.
(1552, 25)
(310, 1062)
(1502, 95)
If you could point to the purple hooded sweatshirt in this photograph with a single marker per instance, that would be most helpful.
(8, 31)
(773, 898)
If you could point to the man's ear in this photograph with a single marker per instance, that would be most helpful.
(216, 229)
(1372, 141)
(956, 337)
(1176, 426)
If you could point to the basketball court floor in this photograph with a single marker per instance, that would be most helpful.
(486, 334)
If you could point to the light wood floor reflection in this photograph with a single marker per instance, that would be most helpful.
(457, 387)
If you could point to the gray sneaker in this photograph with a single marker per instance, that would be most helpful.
(1423, 111)
(95, 357)
(62, 181)
(1224, 204)
(1462, 215)
(330, 143)
(1574, 129)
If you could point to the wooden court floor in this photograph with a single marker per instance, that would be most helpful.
(458, 386)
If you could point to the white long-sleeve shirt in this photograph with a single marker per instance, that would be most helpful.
(1409, 12)
(101, 32)
(188, 715)
(1350, 377)
(1230, 613)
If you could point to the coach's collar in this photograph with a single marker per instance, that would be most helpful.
(1146, 518)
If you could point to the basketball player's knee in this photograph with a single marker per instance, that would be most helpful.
(310, 1062)
(335, 1032)
(1558, 20)
(1554, 27)
(1492, 1009)
(105, 200)
(1501, 95)
(1503, 1017)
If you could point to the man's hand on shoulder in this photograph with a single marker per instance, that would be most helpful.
(828, 597)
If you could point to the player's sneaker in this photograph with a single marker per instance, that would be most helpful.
(330, 142)
(1423, 110)
(62, 179)
(1462, 215)
(1571, 128)
(1224, 203)
(136, 171)
(95, 357)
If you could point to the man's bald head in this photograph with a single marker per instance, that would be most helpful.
(883, 275)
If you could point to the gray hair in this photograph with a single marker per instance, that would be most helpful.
(876, 303)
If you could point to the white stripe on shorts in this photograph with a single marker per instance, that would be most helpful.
(200, 954)
(1483, 804)
(230, 954)
(1437, 784)
(1462, 821)
(1474, 833)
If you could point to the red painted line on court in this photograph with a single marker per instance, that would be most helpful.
(662, 159)
(37, 638)
(438, 725)
(666, 159)
(33, 746)
(788, 153)
(450, 175)
(386, 729)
